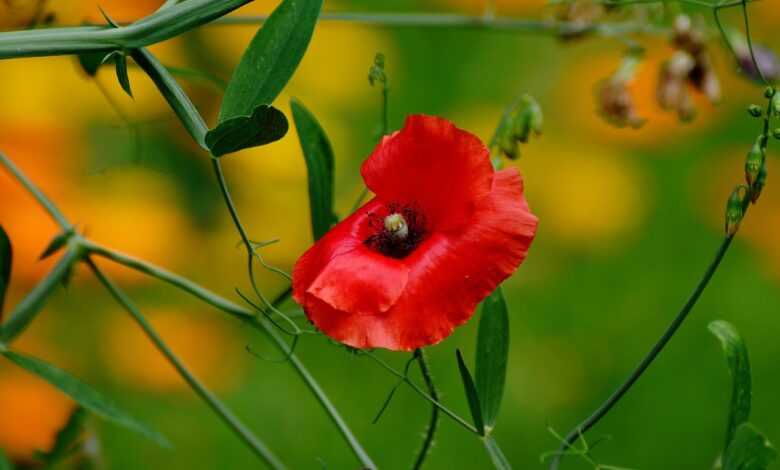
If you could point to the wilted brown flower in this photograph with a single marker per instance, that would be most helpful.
(616, 104)
(579, 16)
(690, 64)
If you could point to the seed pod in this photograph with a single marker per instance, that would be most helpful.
(754, 110)
(758, 186)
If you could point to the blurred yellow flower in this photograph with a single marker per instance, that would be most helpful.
(203, 344)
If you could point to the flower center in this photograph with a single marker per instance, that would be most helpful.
(397, 234)
(396, 225)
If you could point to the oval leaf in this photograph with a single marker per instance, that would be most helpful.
(492, 355)
(6, 258)
(271, 58)
(266, 124)
(749, 450)
(739, 367)
(83, 395)
(471, 394)
(319, 163)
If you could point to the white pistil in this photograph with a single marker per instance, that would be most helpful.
(396, 225)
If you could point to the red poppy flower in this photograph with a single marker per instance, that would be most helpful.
(413, 263)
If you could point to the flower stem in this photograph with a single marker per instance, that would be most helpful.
(431, 431)
(422, 393)
(257, 446)
(602, 410)
(53, 211)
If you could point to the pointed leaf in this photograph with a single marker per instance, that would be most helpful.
(271, 58)
(749, 450)
(499, 461)
(319, 163)
(492, 355)
(56, 244)
(83, 395)
(6, 259)
(266, 124)
(739, 367)
(471, 394)
(121, 73)
(91, 61)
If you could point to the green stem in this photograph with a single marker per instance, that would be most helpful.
(176, 97)
(257, 446)
(602, 410)
(53, 211)
(422, 393)
(431, 431)
(162, 25)
(247, 315)
(444, 20)
(28, 308)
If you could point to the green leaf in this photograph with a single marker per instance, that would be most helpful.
(121, 73)
(499, 461)
(91, 61)
(471, 394)
(5, 464)
(266, 124)
(749, 450)
(739, 367)
(6, 259)
(319, 163)
(56, 244)
(271, 58)
(83, 395)
(492, 355)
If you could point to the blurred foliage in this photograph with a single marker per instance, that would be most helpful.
(628, 220)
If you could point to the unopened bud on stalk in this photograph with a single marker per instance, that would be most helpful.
(758, 186)
(769, 92)
(734, 209)
(754, 110)
(753, 163)
(776, 104)
(776, 133)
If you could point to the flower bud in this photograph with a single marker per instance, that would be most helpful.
(758, 186)
(735, 209)
(776, 133)
(753, 163)
(776, 104)
(754, 110)
(769, 92)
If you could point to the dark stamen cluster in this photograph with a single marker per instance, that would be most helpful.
(388, 243)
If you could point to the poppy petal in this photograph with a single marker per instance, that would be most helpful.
(363, 282)
(433, 165)
(452, 272)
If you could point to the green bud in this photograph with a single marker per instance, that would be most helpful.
(377, 71)
(754, 110)
(508, 144)
(753, 163)
(758, 186)
(776, 133)
(734, 209)
(776, 104)
(769, 92)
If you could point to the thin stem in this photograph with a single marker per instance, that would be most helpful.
(602, 410)
(30, 306)
(247, 315)
(443, 20)
(53, 211)
(750, 43)
(257, 446)
(161, 25)
(422, 393)
(431, 431)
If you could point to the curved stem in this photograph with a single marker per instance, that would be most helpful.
(602, 410)
(257, 446)
(431, 431)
